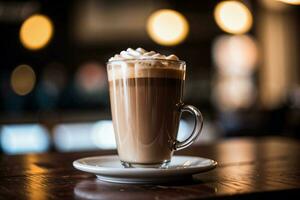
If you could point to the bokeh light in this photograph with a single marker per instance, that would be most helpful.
(293, 2)
(231, 93)
(233, 17)
(274, 5)
(167, 27)
(91, 77)
(36, 32)
(24, 138)
(73, 137)
(103, 135)
(22, 80)
(84, 136)
(235, 54)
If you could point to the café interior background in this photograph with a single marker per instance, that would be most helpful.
(242, 60)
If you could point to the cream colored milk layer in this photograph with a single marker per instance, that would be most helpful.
(140, 63)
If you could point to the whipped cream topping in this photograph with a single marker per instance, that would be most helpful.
(139, 63)
(141, 53)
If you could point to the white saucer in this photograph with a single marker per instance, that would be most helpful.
(109, 169)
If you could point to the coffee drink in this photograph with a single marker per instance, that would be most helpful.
(145, 97)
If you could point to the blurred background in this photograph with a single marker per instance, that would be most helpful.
(243, 67)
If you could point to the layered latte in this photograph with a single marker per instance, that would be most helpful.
(145, 90)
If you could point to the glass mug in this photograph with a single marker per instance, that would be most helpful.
(146, 105)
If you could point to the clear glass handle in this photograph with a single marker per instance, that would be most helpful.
(197, 127)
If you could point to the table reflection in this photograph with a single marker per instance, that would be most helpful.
(96, 189)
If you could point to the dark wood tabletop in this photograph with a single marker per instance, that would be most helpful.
(248, 169)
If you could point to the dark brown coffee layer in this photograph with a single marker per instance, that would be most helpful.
(145, 117)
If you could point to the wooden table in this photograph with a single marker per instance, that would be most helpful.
(248, 169)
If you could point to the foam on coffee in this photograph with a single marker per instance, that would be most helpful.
(141, 53)
(140, 63)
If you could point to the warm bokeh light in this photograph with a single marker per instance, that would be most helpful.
(22, 80)
(231, 93)
(293, 2)
(233, 17)
(273, 5)
(235, 54)
(167, 27)
(36, 32)
(91, 77)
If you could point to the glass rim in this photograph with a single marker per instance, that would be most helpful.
(146, 59)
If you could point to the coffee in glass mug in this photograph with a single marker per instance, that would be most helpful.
(146, 91)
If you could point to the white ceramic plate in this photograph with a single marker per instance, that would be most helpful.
(109, 168)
